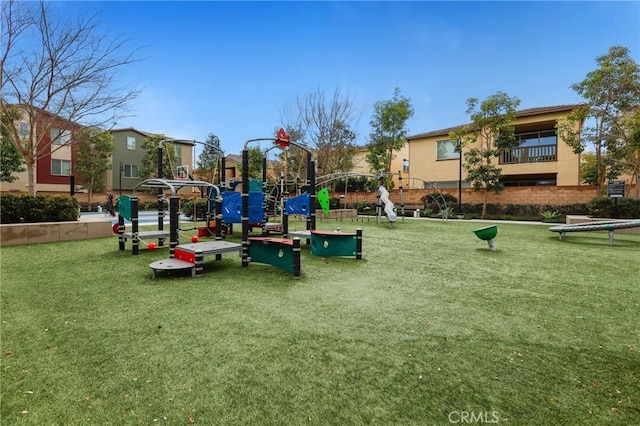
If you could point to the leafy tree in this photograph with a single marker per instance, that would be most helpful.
(149, 165)
(255, 163)
(60, 71)
(11, 160)
(326, 126)
(490, 133)
(610, 116)
(389, 132)
(632, 146)
(209, 158)
(94, 148)
(588, 169)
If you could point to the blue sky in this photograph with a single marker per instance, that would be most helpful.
(231, 68)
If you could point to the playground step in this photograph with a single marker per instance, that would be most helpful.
(170, 265)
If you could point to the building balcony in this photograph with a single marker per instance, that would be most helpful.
(530, 154)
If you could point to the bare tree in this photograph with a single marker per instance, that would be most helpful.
(327, 127)
(60, 72)
(292, 161)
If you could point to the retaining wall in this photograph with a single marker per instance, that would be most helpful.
(47, 232)
(544, 195)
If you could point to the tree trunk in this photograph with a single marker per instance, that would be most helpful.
(31, 178)
(601, 171)
(485, 200)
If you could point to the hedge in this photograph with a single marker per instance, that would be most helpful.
(38, 208)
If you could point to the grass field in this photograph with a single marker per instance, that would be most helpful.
(430, 328)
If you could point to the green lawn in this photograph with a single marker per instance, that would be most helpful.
(430, 328)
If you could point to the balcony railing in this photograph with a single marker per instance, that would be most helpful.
(530, 154)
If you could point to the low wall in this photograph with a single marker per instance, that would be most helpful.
(551, 195)
(47, 232)
(336, 214)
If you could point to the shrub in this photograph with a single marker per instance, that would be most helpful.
(363, 206)
(550, 216)
(628, 208)
(38, 208)
(566, 209)
(446, 213)
(522, 210)
(435, 201)
(152, 204)
(195, 209)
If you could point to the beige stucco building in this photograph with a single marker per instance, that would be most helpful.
(541, 159)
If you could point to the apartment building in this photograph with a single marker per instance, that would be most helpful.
(55, 152)
(56, 161)
(542, 158)
(129, 153)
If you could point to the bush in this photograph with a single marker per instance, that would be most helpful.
(38, 208)
(550, 216)
(334, 203)
(435, 201)
(522, 211)
(628, 208)
(362, 206)
(566, 209)
(200, 206)
(152, 204)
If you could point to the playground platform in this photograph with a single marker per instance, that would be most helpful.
(191, 256)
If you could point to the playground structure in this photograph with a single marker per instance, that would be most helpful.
(279, 252)
(384, 204)
(336, 244)
(128, 210)
(487, 233)
(436, 196)
(247, 208)
(271, 246)
(389, 208)
(382, 197)
(606, 225)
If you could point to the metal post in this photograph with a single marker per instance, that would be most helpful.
(135, 242)
(296, 258)
(311, 177)
(245, 208)
(265, 201)
(121, 172)
(401, 199)
(174, 239)
(459, 149)
(160, 194)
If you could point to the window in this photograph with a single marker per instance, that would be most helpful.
(130, 171)
(60, 137)
(61, 167)
(131, 143)
(530, 180)
(535, 147)
(178, 153)
(447, 150)
(23, 130)
(538, 138)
